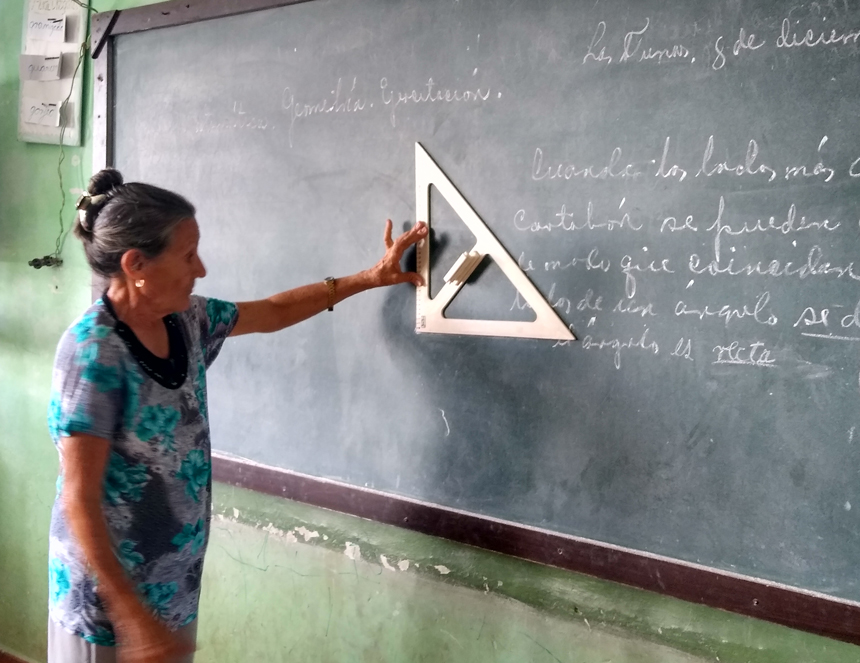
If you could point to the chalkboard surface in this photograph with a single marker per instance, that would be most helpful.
(680, 180)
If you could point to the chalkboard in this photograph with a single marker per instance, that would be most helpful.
(680, 180)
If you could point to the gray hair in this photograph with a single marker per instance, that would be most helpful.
(131, 216)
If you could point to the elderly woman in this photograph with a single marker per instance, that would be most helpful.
(128, 415)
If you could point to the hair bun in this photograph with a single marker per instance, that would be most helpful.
(104, 181)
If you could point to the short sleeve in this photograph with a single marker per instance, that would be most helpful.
(87, 388)
(216, 319)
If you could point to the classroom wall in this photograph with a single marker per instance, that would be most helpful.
(284, 581)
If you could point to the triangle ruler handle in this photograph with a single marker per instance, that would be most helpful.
(430, 312)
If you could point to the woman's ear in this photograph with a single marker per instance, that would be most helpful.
(132, 263)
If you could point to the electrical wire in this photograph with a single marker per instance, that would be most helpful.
(54, 259)
(61, 238)
(89, 7)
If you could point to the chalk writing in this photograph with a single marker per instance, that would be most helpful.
(683, 349)
(791, 224)
(817, 170)
(568, 221)
(831, 337)
(590, 262)
(561, 303)
(630, 306)
(524, 265)
(852, 319)
(674, 171)
(429, 93)
(720, 57)
(341, 101)
(634, 48)
(617, 346)
(728, 312)
(675, 52)
(748, 167)
(815, 265)
(820, 318)
(673, 225)
(597, 37)
(790, 39)
(630, 268)
(753, 355)
(589, 303)
(744, 42)
(812, 316)
(633, 41)
(666, 166)
(237, 118)
(567, 171)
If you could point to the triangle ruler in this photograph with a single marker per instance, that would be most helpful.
(430, 313)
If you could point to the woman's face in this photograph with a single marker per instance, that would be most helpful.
(169, 278)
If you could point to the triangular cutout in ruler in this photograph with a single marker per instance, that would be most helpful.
(429, 313)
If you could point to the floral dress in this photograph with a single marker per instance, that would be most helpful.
(157, 483)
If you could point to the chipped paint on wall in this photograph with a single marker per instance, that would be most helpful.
(306, 533)
(352, 551)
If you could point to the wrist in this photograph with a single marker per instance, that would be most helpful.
(122, 602)
(369, 278)
(358, 282)
(127, 607)
(125, 604)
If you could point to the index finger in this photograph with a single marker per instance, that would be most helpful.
(387, 236)
(414, 235)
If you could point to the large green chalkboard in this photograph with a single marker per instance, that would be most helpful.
(679, 179)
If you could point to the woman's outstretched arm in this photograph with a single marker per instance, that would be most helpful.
(287, 308)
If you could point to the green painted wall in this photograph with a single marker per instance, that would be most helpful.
(279, 584)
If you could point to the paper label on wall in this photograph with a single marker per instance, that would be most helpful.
(47, 26)
(52, 35)
(40, 67)
(44, 113)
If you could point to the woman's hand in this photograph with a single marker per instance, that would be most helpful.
(144, 639)
(388, 271)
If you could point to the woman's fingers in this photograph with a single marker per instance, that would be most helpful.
(408, 277)
(387, 236)
(388, 270)
(412, 236)
(415, 234)
(164, 652)
(144, 639)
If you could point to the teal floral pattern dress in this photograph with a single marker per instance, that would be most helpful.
(157, 483)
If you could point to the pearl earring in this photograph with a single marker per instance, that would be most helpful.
(139, 283)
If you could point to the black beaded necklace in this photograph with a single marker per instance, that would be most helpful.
(170, 372)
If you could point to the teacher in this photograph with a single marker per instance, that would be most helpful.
(129, 418)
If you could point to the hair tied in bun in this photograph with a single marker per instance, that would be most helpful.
(84, 203)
